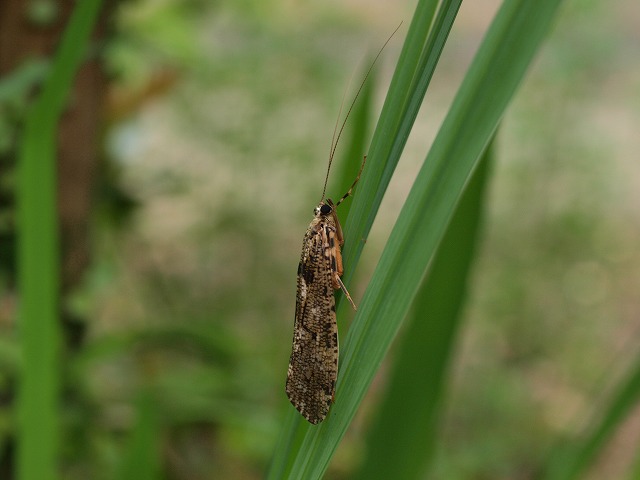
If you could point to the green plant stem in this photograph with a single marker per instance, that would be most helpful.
(410, 410)
(38, 258)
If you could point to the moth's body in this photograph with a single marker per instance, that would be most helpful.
(313, 367)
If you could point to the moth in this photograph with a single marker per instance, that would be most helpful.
(313, 365)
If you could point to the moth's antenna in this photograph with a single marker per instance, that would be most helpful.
(334, 145)
(335, 127)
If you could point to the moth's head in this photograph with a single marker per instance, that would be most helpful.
(324, 208)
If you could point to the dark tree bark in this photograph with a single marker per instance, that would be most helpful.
(22, 37)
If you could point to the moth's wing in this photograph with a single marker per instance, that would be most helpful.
(313, 366)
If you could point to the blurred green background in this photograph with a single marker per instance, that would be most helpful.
(218, 121)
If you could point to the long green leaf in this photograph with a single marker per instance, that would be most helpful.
(572, 461)
(400, 444)
(492, 79)
(417, 62)
(498, 68)
(142, 460)
(393, 112)
(635, 469)
(38, 262)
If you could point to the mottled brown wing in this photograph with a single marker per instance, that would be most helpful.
(313, 366)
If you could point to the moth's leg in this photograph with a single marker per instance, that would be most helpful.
(346, 292)
(336, 265)
(335, 256)
(338, 254)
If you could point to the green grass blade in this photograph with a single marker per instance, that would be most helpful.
(417, 62)
(409, 412)
(635, 469)
(386, 130)
(573, 461)
(142, 459)
(391, 133)
(514, 37)
(291, 435)
(38, 262)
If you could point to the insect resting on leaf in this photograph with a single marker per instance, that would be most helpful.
(313, 366)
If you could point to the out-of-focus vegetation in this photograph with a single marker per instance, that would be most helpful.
(220, 121)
